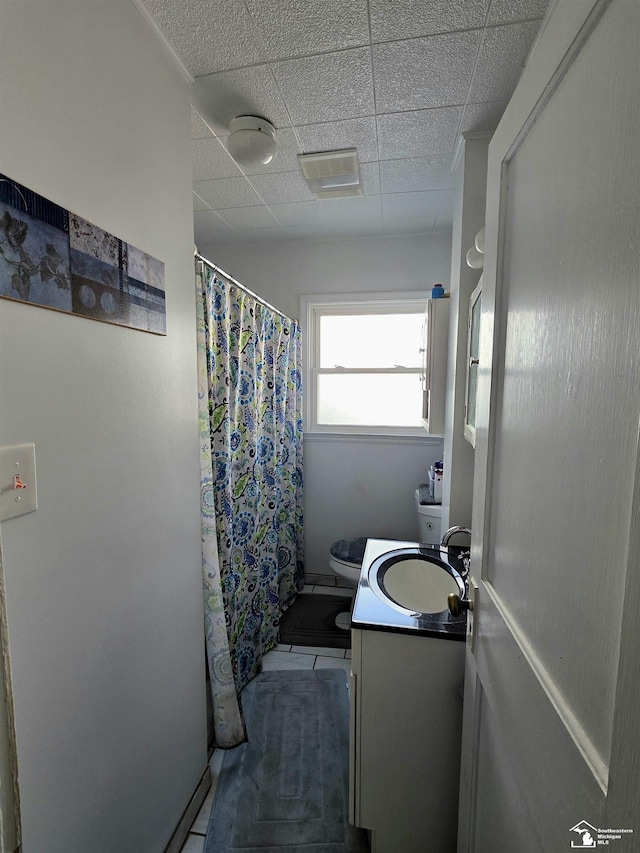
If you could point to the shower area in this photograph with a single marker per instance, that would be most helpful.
(250, 416)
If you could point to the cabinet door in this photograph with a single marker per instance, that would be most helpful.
(473, 350)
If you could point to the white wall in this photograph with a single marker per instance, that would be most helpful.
(103, 581)
(280, 272)
(352, 487)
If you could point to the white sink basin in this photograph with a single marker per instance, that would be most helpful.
(414, 581)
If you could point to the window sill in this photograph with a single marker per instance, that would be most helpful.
(373, 438)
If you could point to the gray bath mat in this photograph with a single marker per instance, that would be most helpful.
(286, 790)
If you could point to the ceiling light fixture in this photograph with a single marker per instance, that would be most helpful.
(251, 141)
(332, 174)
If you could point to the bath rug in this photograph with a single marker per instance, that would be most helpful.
(286, 790)
(311, 621)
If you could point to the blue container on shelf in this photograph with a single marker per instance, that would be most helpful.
(437, 291)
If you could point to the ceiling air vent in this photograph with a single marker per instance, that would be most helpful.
(332, 174)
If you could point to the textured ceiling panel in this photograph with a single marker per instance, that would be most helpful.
(440, 67)
(247, 91)
(507, 11)
(424, 72)
(398, 205)
(482, 116)
(302, 213)
(282, 187)
(227, 192)
(289, 28)
(208, 34)
(328, 87)
(421, 133)
(400, 176)
(210, 160)
(357, 133)
(404, 19)
(502, 58)
(248, 217)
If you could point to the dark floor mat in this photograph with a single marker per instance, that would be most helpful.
(310, 621)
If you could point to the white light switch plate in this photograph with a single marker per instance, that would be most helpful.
(17, 496)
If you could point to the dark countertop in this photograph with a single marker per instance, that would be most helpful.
(371, 613)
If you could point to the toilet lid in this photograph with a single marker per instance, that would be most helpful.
(349, 550)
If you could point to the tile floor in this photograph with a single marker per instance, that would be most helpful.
(282, 657)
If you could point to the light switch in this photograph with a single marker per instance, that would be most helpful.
(18, 493)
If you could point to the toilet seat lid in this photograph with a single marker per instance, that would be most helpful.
(349, 550)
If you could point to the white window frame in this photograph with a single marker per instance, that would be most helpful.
(312, 307)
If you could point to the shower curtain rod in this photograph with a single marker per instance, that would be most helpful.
(241, 286)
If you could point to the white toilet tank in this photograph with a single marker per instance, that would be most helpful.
(429, 522)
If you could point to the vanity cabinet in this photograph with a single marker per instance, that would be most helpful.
(473, 363)
(406, 725)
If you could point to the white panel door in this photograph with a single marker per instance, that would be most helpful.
(551, 747)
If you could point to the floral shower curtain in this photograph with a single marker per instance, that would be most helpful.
(250, 394)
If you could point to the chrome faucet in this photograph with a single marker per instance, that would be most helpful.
(452, 532)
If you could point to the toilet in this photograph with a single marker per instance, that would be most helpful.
(346, 555)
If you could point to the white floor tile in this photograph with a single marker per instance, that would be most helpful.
(282, 647)
(334, 590)
(318, 650)
(307, 588)
(332, 663)
(193, 844)
(202, 820)
(286, 660)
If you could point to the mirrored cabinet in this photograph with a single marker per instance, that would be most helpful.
(473, 352)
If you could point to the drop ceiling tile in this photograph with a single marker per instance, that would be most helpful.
(206, 225)
(424, 72)
(502, 57)
(286, 157)
(328, 87)
(199, 129)
(245, 91)
(290, 28)
(370, 178)
(410, 225)
(227, 192)
(357, 209)
(482, 116)
(211, 161)
(507, 11)
(359, 133)
(415, 174)
(410, 205)
(308, 232)
(409, 18)
(357, 228)
(261, 235)
(198, 204)
(241, 218)
(420, 133)
(208, 35)
(282, 187)
(307, 214)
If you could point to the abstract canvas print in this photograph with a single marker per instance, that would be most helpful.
(54, 258)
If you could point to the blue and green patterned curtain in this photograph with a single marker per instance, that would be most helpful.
(251, 428)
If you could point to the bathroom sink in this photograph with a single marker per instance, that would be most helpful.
(414, 581)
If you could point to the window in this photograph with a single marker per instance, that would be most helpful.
(364, 363)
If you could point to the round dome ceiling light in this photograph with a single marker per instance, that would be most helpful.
(251, 141)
